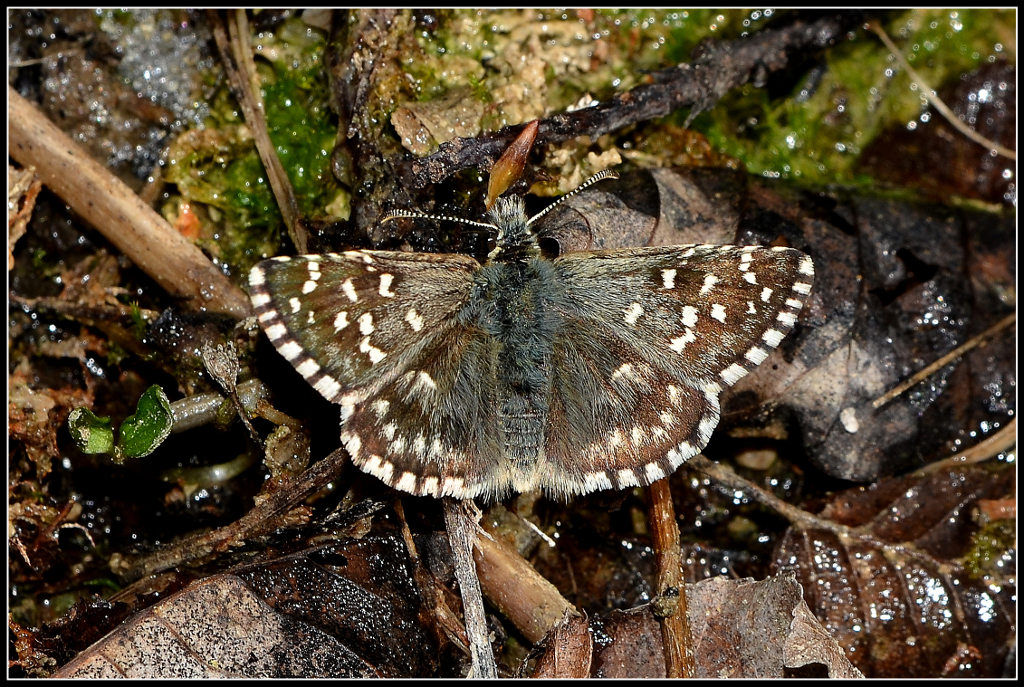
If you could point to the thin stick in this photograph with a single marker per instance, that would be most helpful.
(800, 518)
(461, 537)
(116, 212)
(236, 55)
(515, 588)
(1003, 440)
(445, 621)
(194, 548)
(936, 102)
(675, 625)
(924, 373)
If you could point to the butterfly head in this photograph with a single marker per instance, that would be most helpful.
(514, 239)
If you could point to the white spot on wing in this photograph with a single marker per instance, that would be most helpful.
(633, 313)
(718, 312)
(709, 282)
(340, 321)
(385, 285)
(756, 355)
(290, 350)
(638, 434)
(706, 427)
(349, 290)
(307, 368)
(624, 370)
(276, 331)
(366, 324)
(352, 443)
(627, 479)
(786, 318)
(733, 374)
(374, 353)
(414, 319)
(668, 278)
(328, 387)
(686, 450)
(407, 482)
(452, 486)
(429, 486)
(593, 481)
(679, 343)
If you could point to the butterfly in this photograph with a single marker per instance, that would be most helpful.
(592, 370)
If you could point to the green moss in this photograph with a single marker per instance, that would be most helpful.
(993, 552)
(220, 167)
(303, 131)
(862, 92)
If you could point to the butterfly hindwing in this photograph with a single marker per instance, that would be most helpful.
(433, 429)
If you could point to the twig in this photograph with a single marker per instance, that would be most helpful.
(800, 518)
(278, 502)
(236, 55)
(718, 68)
(1003, 440)
(935, 101)
(924, 373)
(445, 621)
(675, 626)
(103, 200)
(462, 530)
(525, 597)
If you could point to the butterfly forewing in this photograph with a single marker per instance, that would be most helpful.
(349, 322)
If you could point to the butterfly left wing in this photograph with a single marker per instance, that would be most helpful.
(649, 338)
(348, 321)
(378, 333)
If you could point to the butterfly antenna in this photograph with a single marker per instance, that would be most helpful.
(603, 174)
(403, 214)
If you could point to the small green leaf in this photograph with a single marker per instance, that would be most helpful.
(92, 433)
(147, 428)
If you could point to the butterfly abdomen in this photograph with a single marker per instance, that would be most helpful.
(516, 308)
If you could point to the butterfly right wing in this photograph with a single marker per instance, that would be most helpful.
(637, 368)
(378, 333)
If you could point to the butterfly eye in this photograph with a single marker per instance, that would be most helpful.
(550, 248)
